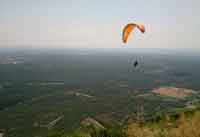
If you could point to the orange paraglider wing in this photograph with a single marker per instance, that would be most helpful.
(141, 28)
(126, 31)
(129, 28)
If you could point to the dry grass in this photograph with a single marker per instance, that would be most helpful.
(185, 127)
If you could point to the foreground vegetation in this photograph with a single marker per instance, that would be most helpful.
(187, 125)
(183, 127)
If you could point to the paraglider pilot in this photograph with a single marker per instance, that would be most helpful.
(135, 63)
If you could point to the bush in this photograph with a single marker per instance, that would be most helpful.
(114, 132)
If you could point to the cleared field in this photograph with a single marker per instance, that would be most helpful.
(179, 93)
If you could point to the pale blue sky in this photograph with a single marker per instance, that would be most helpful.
(98, 23)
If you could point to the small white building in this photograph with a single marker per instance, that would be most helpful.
(190, 105)
(1, 134)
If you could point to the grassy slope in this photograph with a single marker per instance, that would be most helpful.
(186, 125)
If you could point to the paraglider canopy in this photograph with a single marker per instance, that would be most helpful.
(129, 28)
